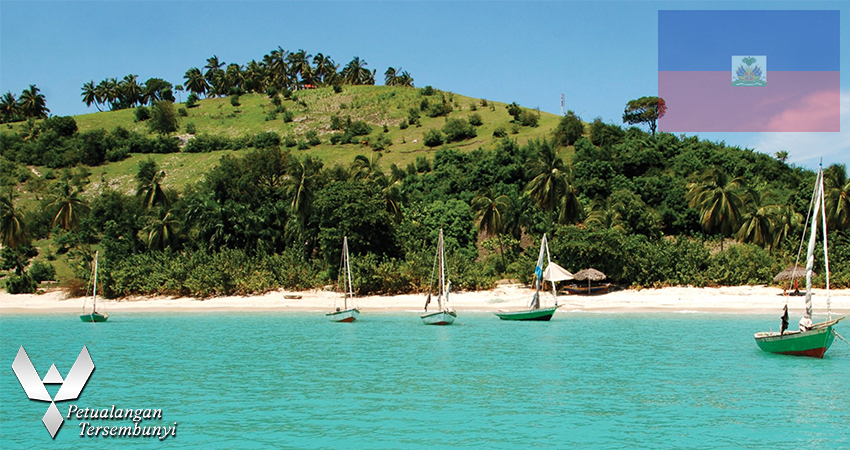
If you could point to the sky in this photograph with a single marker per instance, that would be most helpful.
(599, 54)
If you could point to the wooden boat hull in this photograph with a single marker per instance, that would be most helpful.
(344, 316)
(439, 318)
(583, 290)
(94, 317)
(540, 315)
(814, 342)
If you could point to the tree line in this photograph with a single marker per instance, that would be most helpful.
(646, 209)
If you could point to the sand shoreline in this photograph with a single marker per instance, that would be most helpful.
(726, 300)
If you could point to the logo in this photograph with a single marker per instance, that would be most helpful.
(749, 70)
(71, 388)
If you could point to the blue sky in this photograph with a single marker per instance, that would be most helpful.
(598, 54)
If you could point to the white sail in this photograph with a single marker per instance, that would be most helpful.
(813, 232)
(555, 272)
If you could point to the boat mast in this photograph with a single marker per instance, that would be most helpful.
(347, 274)
(94, 290)
(825, 252)
(552, 280)
(810, 252)
(440, 250)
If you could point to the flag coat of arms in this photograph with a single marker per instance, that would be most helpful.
(800, 92)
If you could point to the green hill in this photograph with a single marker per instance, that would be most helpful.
(311, 110)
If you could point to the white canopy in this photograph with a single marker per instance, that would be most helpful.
(556, 273)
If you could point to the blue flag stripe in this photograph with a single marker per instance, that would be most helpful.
(706, 40)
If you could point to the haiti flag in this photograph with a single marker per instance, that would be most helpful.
(749, 70)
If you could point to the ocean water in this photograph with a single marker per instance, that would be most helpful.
(295, 380)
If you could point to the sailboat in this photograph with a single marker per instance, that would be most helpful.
(552, 273)
(345, 314)
(444, 315)
(93, 316)
(811, 340)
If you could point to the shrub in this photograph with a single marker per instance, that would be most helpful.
(473, 106)
(458, 130)
(303, 145)
(289, 141)
(336, 138)
(337, 123)
(380, 142)
(500, 132)
(412, 115)
(276, 101)
(42, 271)
(205, 143)
(190, 127)
(142, 114)
(475, 120)
(337, 88)
(117, 154)
(63, 126)
(528, 119)
(192, 100)
(428, 90)
(266, 139)
(433, 138)
(234, 101)
(440, 109)
(165, 144)
(403, 125)
(312, 138)
(569, 129)
(182, 112)
(288, 117)
(20, 284)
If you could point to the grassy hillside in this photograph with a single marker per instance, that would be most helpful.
(378, 106)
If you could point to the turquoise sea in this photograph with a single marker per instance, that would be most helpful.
(294, 380)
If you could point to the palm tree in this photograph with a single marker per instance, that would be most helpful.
(837, 197)
(299, 66)
(719, 201)
(32, 104)
(355, 72)
(278, 68)
(69, 206)
(150, 190)
(604, 214)
(391, 77)
(13, 229)
(215, 75)
(9, 108)
(548, 170)
(195, 81)
(404, 80)
(364, 169)
(90, 95)
(161, 231)
(325, 67)
(490, 210)
(788, 222)
(130, 90)
(233, 76)
(760, 222)
(570, 207)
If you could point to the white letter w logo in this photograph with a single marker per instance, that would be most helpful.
(72, 385)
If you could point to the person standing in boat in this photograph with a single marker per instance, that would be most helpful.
(784, 321)
(805, 324)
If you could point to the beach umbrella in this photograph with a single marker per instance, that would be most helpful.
(555, 272)
(790, 272)
(590, 275)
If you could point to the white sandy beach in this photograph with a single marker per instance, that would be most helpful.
(735, 300)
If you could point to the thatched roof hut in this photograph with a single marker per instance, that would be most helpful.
(789, 273)
(589, 275)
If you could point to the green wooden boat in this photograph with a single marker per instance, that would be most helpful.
(93, 316)
(814, 342)
(553, 273)
(540, 315)
(810, 340)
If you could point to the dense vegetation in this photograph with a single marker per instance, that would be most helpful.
(648, 209)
